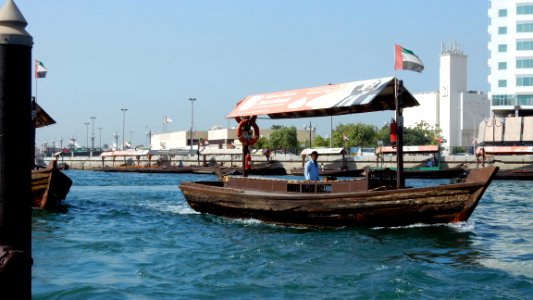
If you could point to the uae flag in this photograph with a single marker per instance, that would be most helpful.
(40, 70)
(405, 59)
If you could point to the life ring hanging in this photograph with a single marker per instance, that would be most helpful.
(244, 134)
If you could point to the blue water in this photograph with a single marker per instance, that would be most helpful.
(133, 236)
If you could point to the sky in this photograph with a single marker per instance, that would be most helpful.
(150, 57)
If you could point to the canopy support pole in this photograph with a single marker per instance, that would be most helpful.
(400, 179)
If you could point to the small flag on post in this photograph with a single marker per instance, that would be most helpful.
(405, 59)
(40, 70)
(167, 120)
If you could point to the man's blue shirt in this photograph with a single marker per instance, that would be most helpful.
(311, 170)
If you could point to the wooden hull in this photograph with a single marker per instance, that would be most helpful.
(50, 186)
(337, 203)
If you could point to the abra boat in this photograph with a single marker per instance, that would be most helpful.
(49, 186)
(378, 200)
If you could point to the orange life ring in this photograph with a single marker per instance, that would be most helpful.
(243, 132)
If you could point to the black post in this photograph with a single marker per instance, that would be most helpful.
(16, 142)
(244, 153)
(400, 179)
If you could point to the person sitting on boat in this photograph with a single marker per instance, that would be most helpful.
(311, 167)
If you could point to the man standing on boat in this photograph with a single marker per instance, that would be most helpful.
(311, 167)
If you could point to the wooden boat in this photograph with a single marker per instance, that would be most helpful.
(381, 199)
(362, 202)
(49, 186)
(522, 173)
(515, 174)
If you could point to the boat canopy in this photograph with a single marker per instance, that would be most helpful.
(42, 118)
(329, 100)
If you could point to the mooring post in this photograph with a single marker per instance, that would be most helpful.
(16, 142)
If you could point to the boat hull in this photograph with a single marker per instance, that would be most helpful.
(346, 203)
(50, 186)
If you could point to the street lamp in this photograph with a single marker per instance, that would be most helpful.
(61, 143)
(148, 134)
(115, 135)
(92, 133)
(311, 128)
(192, 117)
(124, 110)
(100, 129)
(87, 126)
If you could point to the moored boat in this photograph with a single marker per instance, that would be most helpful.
(49, 186)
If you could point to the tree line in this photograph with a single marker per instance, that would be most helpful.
(349, 135)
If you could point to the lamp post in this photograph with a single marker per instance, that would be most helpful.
(100, 129)
(311, 129)
(115, 135)
(87, 126)
(192, 117)
(92, 132)
(124, 110)
(61, 144)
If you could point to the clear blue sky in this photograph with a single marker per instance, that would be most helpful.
(152, 56)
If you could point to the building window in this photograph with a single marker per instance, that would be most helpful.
(502, 48)
(502, 83)
(502, 30)
(524, 9)
(524, 45)
(524, 63)
(524, 81)
(525, 99)
(502, 13)
(524, 27)
(502, 66)
(503, 100)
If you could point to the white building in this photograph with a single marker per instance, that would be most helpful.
(511, 57)
(176, 140)
(456, 110)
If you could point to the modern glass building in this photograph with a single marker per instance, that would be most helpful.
(510, 57)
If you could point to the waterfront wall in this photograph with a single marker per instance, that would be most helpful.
(291, 161)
